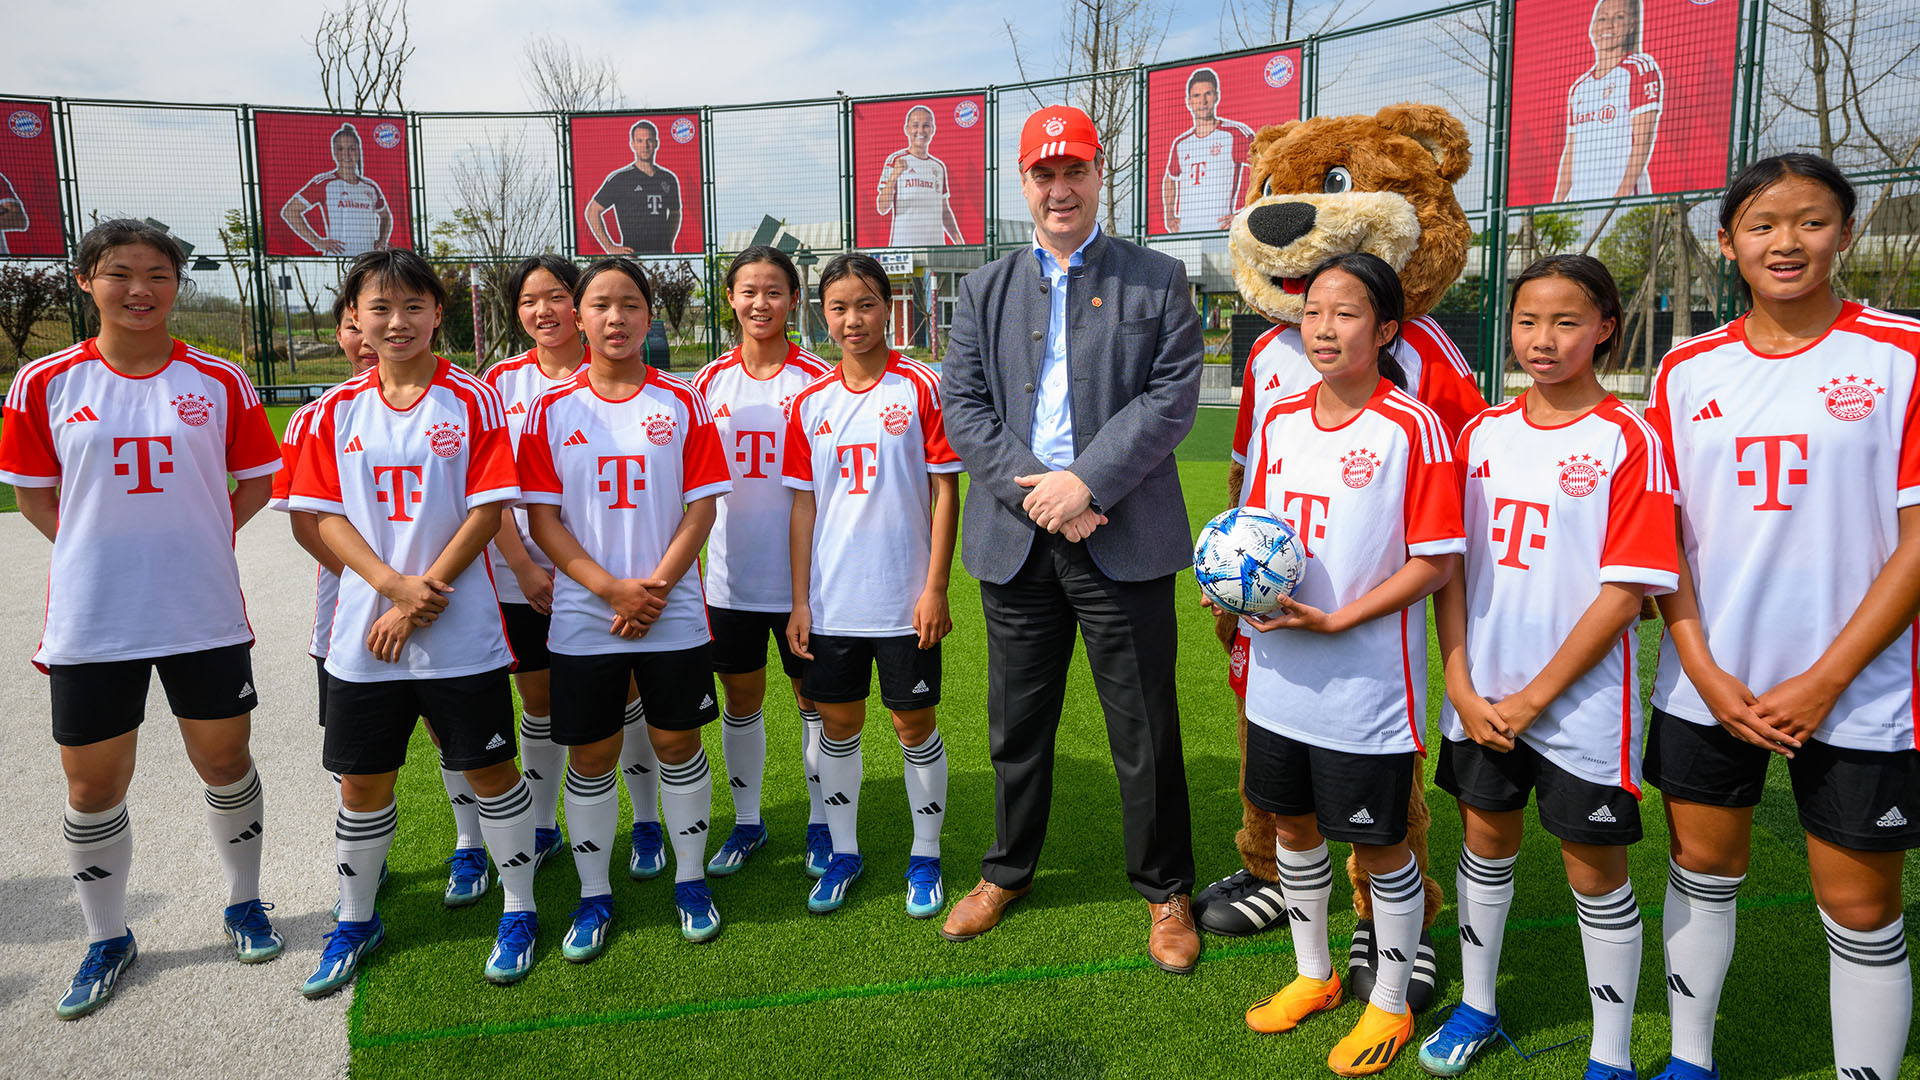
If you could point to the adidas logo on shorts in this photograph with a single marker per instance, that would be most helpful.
(1361, 817)
(1604, 816)
(496, 742)
(706, 701)
(245, 689)
(921, 687)
(1892, 819)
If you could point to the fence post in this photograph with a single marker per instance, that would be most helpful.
(1493, 267)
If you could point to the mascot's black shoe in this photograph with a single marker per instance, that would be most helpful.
(1422, 986)
(1239, 905)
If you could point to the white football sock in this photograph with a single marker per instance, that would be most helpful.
(639, 766)
(543, 765)
(593, 813)
(926, 774)
(506, 821)
(810, 728)
(99, 855)
(1871, 995)
(234, 813)
(1697, 927)
(1483, 892)
(686, 802)
(1610, 936)
(360, 843)
(841, 766)
(466, 809)
(1399, 902)
(1306, 884)
(743, 739)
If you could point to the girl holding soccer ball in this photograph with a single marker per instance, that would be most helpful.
(1569, 514)
(1365, 474)
(1793, 430)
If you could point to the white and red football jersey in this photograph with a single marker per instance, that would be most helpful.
(406, 479)
(1365, 497)
(622, 474)
(1551, 513)
(747, 562)
(326, 583)
(868, 456)
(351, 210)
(1209, 174)
(520, 382)
(1806, 458)
(920, 194)
(1600, 116)
(143, 564)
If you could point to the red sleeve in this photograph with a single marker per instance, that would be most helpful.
(538, 476)
(1460, 467)
(1640, 544)
(933, 432)
(316, 481)
(316, 190)
(1433, 516)
(1910, 446)
(251, 446)
(27, 453)
(380, 197)
(1450, 394)
(1660, 418)
(491, 475)
(1646, 85)
(796, 465)
(1173, 158)
(703, 462)
(289, 460)
(1243, 425)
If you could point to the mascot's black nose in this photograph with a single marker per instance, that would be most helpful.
(1280, 224)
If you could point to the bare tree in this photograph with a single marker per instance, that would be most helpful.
(561, 77)
(674, 287)
(363, 52)
(1269, 22)
(27, 295)
(507, 210)
(1466, 38)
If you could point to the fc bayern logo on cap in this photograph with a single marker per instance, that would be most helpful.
(386, 136)
(683, 130)
(966, 114)
(1279, 71)
(1055, 126)
(24, 123)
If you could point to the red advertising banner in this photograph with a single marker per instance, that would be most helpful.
(1615, 98)
(29, 182)
(332, 183)
(920, 172)
(636, 184)
(1201, 120)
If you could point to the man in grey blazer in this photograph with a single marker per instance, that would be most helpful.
(1072, 372)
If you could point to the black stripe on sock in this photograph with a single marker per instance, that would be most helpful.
(687, 773)
(1697, 888)
(1398, 887)
(1857, 948)
(846, 747)
(1317, 875)
(361, 827)
(1598, 914)
(531, 729)
(590, 787)
(733, 721)
(510, 803)
(86, 835)
(227, 804)
(926, 753)
(1481, 872)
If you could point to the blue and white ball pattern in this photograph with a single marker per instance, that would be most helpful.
(1247, 558)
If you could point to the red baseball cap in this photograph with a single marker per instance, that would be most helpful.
(1057, 131)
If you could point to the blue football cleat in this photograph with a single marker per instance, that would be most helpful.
(545, 843)
(819, 850)
(94, 983)
(347, 945)
(699, 919)
(649, 851)
(1599, 1070)
(1680, 1069)
(830, 892)
(467, 877)
(925, 893)
(743, 841)
(587, 937)
(254, 939)
(1448, 1051)
(512, 955)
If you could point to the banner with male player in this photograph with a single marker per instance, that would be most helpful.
(29, 182)
(332, 184)
(637, 184)
(1617, 98)
(920, 172)
(1201, 119)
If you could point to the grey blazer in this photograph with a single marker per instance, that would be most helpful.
(1133, 350)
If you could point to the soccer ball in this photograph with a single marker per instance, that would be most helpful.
(1246, 559)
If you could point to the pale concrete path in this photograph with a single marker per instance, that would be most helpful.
(185, 1008)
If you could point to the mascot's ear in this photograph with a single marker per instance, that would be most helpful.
(1267, 136)
(1435, 129)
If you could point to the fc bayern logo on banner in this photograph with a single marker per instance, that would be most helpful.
(386, 136)
(966, 114)
(1279, 71)
(24, 123)
(683, 130)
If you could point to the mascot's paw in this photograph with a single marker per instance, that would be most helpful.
(1360, 972)
(1422, 987)
(1240, 905)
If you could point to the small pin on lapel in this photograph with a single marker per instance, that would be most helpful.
(1096, 301)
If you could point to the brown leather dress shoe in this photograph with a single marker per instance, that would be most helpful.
(1173, 943)
(980, 911)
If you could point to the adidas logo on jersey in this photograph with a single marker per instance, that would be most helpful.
(1482, 471)
(921, 688)
(516, 409)
(353, 446)
(1273, 382)
(245, 689)
(1361, 817)
(496, 742)
(1710, 412)
(1892, 819)
(723, 413)
(575, 439)
(1604, 816)
(85, 415)
(824, 428)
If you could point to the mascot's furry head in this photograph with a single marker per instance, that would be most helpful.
(1337, 184)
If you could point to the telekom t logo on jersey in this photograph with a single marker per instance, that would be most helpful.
(391, 486)
(860, 463)
(626, 481)
(144, 466)
(1515, 532)
(1303, 522)
(1772, 459)
(755, 451)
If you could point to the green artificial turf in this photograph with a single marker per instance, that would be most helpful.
(1063, 988)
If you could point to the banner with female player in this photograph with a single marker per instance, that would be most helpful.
(920, 172)
(1201, 119)
(637, 183)
(29, 182)
(1616, 98)
(332, 184)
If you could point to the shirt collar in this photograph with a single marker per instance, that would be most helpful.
(1047, 261)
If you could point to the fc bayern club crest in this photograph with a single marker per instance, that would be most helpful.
(1580, 475)
(1238, 658)
(1357, 468)
(895, 418)
(660, 429)
(445, 438)
(194, 410)
(1851, 398)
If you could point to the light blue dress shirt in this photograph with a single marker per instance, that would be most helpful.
(1053, 398)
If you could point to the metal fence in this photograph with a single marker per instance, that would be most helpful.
(476, 192)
